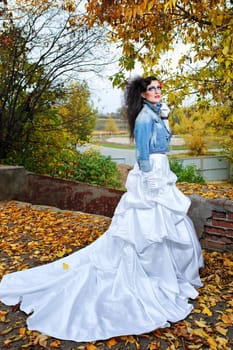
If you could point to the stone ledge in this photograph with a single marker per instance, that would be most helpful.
(13, 181)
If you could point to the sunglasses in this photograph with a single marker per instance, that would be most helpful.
(152, 88)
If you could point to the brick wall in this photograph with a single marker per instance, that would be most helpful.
(218, 231)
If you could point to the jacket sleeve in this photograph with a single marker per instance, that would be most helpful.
(142, 135)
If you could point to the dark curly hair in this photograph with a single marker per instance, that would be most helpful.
(134, 100)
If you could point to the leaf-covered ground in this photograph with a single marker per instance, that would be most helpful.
(221, 190)
(32, 235)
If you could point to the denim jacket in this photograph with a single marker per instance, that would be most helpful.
(151, 135)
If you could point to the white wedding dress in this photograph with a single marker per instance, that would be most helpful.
(135, 278)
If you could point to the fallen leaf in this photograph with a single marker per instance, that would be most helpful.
(227, 319)
(200, 332)
(6, 331)
(7, 342)
(55, 344)
(65, 266)
(206, 311)
(61, 254)
(90, 346)
(222, 330)
(154, 346)
(201, 324)
(22, 331)
(111, 342)
(212, 343)
(41, 339)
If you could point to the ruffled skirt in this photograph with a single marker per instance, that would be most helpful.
(138, 276)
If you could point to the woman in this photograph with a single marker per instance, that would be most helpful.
(139, 275)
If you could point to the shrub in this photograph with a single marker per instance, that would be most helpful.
(94, 168)
(90, 167)
(196, 144)
(188, 173)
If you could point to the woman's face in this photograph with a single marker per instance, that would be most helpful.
(153, 92)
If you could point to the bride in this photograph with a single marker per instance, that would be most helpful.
(140, 274)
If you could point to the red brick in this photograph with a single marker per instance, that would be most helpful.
(229, 232)
(219, 214)
(212, 245)
(227, 240)
(214, 229)
(219, 238)
(230, 215)
(222, 223)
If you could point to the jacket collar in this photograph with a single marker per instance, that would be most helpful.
(155, 108)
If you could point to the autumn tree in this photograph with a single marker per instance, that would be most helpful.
(77, 113)
(149, 32)
(48, 148)
(188, 122)
(42, 43)
(110, 125)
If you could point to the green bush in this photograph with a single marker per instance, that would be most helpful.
(188, 173)
(90, 167)
(96, 169)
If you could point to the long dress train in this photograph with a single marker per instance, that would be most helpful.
(135, 278)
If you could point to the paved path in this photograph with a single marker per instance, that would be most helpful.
(120, 156)
(125, 156)
(128, 156)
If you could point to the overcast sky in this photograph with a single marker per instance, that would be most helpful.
(105, 98)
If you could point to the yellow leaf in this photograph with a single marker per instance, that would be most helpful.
(129, 339)
(217, 279)
(22, 331)
(41, 339)
(230, 312)
(65, 266)
(200, 332)
(197, 311)
(111, 342)
(61, 253)
(212, 343)
(150, 5)
(206, 311)
(169, 4)
(90, 346)
(227, 318)
(228, 262)
(221, 342)
(201, 324)
(154, 346)
(222, 330)
(225, 50)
